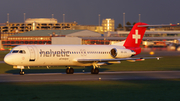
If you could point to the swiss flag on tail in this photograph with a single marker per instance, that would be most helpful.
(134, 38)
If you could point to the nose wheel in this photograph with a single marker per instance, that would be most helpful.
(21, 72)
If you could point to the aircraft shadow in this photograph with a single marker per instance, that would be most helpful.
(39, 70)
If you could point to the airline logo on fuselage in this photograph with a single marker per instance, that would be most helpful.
(51, 53)
(136, 36)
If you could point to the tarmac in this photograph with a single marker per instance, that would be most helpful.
(102, 76)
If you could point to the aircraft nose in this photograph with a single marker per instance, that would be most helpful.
(8, 59)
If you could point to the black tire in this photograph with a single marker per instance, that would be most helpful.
(96, 71)
(92, 71)
(71, 71)
(67, 71)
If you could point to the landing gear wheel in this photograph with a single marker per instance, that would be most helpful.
(21, 72)
(95, 71)
(69, 71)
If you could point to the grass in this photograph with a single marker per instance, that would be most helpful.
(154, 90)
(2, 54)
(164, 64)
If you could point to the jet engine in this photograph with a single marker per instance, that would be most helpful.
(121, 53)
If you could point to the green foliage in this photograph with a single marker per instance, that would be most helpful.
(119, 26)
(128, 23)
(134, 23)
(2, 54)
(164, 64)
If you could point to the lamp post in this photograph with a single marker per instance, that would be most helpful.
(99, 19)
(124, 21)
(52, 15)
(63, 18)
(8, 21)
(139, 17)
(24, 21)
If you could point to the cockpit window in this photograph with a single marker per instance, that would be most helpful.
(15, 51)
(19, 51)
(22, 51)
(11, 51)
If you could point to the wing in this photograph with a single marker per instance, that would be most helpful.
(117, 59)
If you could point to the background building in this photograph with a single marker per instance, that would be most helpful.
(108, 24)
(46, 37)
(98, 29)
(36, 24)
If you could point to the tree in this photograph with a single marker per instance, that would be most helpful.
(128, 23)
(119, 26)
(134, 23)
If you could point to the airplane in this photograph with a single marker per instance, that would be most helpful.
(79, 55)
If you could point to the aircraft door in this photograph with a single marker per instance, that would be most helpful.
(32, 53)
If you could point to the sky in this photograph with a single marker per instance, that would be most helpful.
(85, 12)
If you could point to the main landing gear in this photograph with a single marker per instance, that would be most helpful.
(94, 71)
(69, 70)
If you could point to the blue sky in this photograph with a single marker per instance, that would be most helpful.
(85, 12)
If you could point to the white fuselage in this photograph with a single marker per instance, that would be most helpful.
(61, 55)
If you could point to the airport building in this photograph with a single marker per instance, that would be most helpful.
(31, 24)
(87, 37)
(40, 31)
(41, 37)
(108, 25)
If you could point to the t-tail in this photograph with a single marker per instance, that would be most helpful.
(135, 36)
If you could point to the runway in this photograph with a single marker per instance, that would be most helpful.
(104, 76)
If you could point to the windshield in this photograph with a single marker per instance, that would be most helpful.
(18, 51)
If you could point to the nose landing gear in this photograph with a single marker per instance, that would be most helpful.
(21, 72)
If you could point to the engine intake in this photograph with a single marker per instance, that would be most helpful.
(113, 52)
(121, 53)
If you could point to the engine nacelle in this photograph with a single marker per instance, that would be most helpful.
(121, 53)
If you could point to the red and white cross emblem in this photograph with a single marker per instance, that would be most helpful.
(136, 36)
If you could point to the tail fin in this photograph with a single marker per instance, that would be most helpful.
(134, 38)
